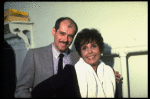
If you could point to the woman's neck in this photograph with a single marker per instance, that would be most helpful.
(95, 68)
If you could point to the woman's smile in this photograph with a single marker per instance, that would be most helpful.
(91, 53)
(91, 57)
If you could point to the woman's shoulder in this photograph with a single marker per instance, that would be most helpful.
(109, 68)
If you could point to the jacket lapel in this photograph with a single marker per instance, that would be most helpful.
(47, 61)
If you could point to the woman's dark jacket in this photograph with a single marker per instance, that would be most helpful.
(63, 84)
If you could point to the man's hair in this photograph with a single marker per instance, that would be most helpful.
(57, 24)
(86, 36)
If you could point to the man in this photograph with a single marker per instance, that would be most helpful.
(41, 63)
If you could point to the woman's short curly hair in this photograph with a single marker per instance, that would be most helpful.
(86, 36)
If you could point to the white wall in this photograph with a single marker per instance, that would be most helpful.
(120, 23)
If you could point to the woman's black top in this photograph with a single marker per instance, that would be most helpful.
(63, 84)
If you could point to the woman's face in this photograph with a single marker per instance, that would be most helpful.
(90, 53)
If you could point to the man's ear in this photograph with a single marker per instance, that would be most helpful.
(53, 31)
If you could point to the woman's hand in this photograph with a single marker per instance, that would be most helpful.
(117, 76)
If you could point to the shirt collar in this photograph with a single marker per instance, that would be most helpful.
(56, 52)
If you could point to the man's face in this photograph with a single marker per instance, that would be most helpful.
(63, 37)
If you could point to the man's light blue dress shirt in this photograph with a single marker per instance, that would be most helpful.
(56, 53)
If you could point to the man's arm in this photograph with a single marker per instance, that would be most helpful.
(26, 79)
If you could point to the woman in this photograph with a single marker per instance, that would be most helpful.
(90, 77)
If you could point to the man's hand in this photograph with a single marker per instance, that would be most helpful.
(117, 76)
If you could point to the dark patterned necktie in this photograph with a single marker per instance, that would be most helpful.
(60, 62)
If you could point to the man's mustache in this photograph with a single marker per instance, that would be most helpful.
(64, 42)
